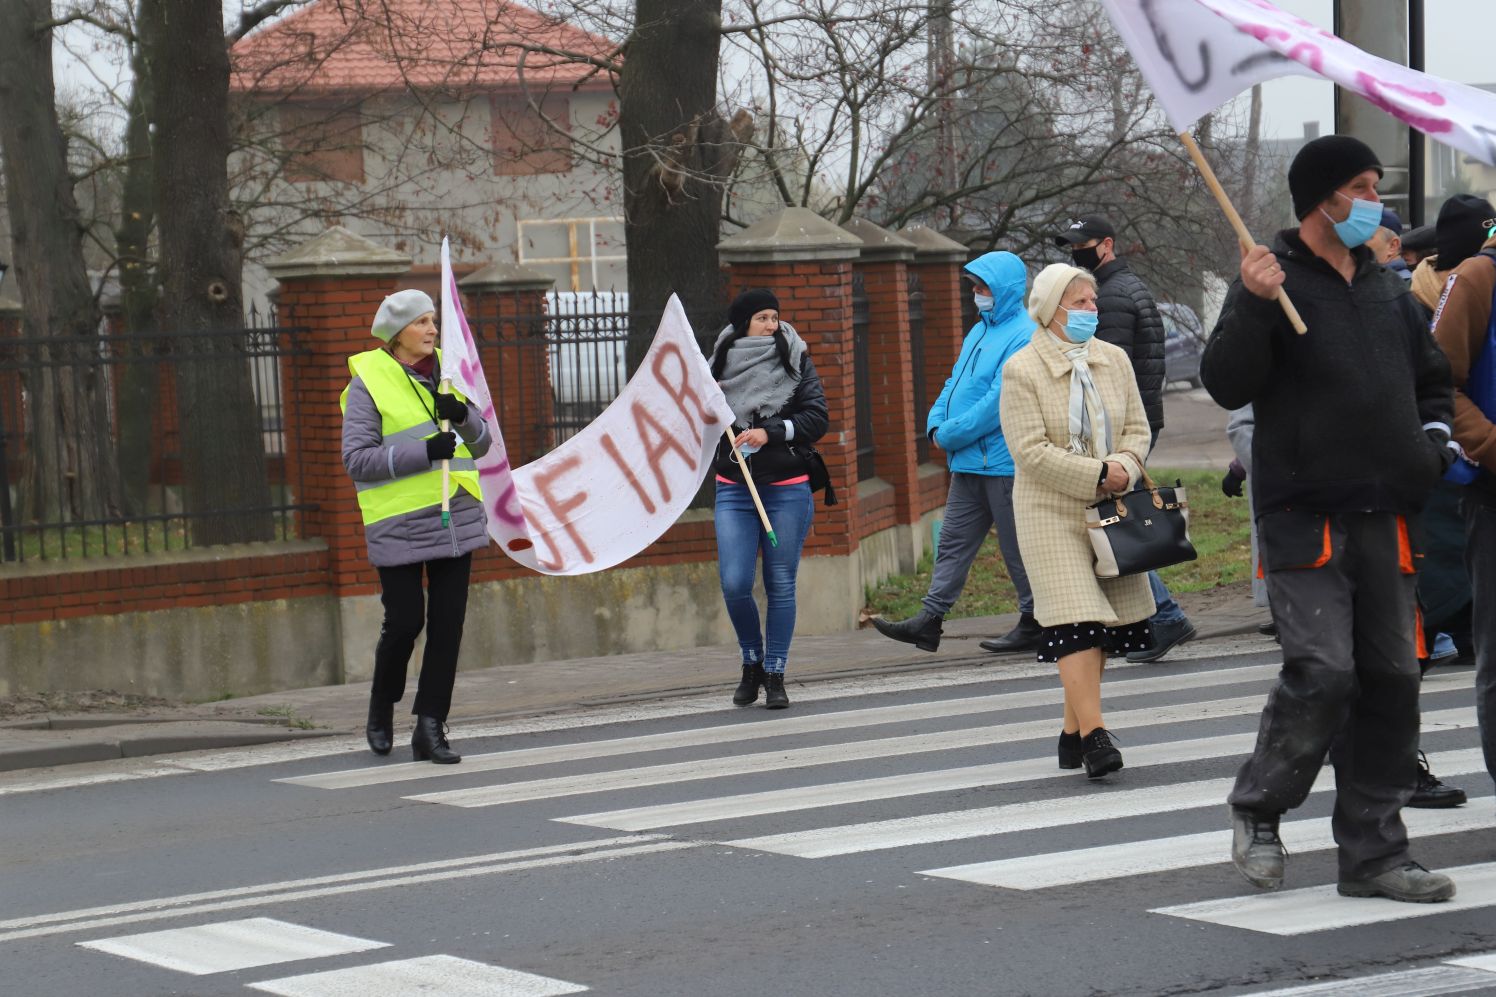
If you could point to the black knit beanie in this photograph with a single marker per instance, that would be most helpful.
(1323, 165)
(749, 304)
(1461, 230)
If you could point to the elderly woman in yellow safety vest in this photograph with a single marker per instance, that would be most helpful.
(393, 450)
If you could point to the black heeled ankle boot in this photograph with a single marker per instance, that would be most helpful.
(775, 697)
(1100, 755)
(430, 742)
(747, 690)
(1070, 750)
(380, 730)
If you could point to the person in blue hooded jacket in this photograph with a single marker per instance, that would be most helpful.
(964, 422)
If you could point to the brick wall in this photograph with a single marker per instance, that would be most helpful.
(895, 423)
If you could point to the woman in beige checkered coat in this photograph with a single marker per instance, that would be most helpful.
(1075, 423)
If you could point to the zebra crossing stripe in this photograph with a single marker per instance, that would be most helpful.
(1426, 982)
(812, 723)
(924, 829)
(1320, 908)
(228, 946)
(433, 974)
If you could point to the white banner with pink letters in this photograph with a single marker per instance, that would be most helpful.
(1198, 54)
(610, 491)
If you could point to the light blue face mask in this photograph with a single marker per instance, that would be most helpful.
(1360, 225)
(984, 302)
(1081, 326)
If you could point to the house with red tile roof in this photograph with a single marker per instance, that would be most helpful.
(405, 120)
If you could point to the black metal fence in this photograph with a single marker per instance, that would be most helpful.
(91, 448)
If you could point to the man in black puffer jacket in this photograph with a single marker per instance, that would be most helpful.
(1129, 318)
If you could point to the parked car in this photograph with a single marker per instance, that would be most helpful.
(1184, 339)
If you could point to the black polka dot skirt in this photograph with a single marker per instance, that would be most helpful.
(1068, 638)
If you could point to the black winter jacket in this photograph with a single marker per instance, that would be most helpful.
(1129, 318)
(1340, 410)
(775, 462)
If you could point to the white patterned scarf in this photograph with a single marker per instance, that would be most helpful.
(1086, 411)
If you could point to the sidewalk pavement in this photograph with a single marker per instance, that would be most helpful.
(530, 689)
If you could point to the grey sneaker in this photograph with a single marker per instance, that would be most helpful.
(1256, 850)
(1409, 882)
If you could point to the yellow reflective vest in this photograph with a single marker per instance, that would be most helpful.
(405, 407)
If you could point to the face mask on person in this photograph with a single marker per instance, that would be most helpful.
(1080, 326)
(1087, 259)
(984, 302)
(1360, 225)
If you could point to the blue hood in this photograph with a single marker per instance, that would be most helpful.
(1006, 278)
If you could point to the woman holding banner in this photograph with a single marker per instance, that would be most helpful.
(778, 403)
(393, 448)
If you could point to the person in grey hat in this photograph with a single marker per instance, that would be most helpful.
(393, 449)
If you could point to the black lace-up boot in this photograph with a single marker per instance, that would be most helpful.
(430, 742)
(1256, 850)
(1100, 755)
(747, 690)
(775, 697)
(1070, 750)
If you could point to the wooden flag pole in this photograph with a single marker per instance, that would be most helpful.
(1242, 235)
(446, 427)
(752, 489)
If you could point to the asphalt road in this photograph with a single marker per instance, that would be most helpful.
(899, 835)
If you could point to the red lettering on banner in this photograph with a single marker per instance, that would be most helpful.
(683, 390)
(628, 473)
(559, 508)
(1373, 90)
(657, 441)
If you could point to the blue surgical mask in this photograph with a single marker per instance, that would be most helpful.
(1081, 326)
(1360, 225)
(984, 302)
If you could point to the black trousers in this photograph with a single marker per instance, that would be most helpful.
(405, 612)
(1349, 687)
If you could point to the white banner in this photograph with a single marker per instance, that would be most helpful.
(1198, 54)
(610, 491)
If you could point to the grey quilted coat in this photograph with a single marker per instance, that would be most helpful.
(415, 536)
(1130, 319)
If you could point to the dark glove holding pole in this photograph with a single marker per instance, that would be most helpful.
(441, 446)
(449, 408)
(1447, 453)
(1231, 483)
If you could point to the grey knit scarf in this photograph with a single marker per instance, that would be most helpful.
(753, 379)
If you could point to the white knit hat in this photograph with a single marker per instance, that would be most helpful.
(398, 311)
(1049, 288)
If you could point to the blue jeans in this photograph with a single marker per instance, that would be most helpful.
(1165, 609)
(740, 537)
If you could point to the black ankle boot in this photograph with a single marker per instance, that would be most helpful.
(1070, 750)
(1099, 754)
(1023, 637)
(774, 694)
(380, 730)
(430, 741)
(922, 629)
(747, 690)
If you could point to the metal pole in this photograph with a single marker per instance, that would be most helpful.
(1417, 172)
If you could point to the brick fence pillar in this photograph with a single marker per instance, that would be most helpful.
(331, 287)
(807, 262)
(884, 265)
(506, 308)
(937, 266)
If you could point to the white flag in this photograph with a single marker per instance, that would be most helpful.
(1198, 54)
(609, 492)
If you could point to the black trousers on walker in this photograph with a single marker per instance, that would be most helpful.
(1349, 684)
(405, 612)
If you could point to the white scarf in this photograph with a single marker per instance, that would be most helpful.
(1086, 411)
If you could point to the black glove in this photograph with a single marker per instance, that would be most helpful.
(1231, 483)
(441, 446)
(448, 407)
(1447, 453)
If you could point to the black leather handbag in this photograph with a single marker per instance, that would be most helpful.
(1142, 530)
(815, 468)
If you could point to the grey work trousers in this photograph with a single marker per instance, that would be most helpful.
(1480, 560)
(1349, 686)
(975, 503)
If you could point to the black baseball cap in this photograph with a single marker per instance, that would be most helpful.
(1420, 239)
(1084, 229)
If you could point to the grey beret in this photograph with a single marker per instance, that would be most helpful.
(398, 311)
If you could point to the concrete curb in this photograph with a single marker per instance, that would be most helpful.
(31, 748)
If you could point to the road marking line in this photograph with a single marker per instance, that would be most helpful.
(924, 829)
(777, 727)
(1486, 961)
(278, 893)
(1427, 982)
(1186, 851)
(432, 974)
(1320, 908)
(228, 946)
